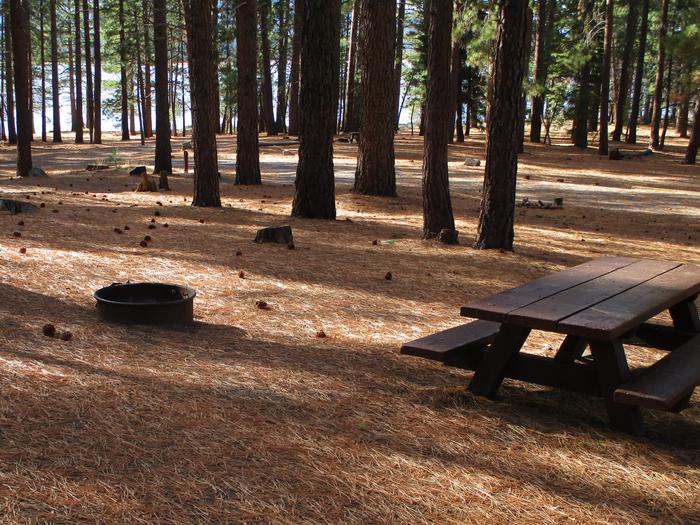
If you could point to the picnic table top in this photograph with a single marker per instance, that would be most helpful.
(601, 299)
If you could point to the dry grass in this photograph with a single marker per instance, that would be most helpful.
(248, 417)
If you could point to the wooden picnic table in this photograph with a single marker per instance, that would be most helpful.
(603, 305)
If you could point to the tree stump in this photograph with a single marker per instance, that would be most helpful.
(15, 207)
(138, 170)
(146, 183)
(276, 234)
(37, 172)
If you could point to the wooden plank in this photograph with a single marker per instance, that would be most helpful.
(618, 315)
(539, 370)
(441, 345)
(667, 382)
(571, 349)
(547, 313)
(611, 364)
(496, 307)
(658, 336)
(490, 373)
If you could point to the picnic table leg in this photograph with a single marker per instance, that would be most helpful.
(571, 349)
(611, 363)
(491, 371)
(685, 316)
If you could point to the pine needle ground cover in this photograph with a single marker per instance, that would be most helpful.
(252, 416)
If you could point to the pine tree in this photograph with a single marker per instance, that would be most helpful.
(314, 195)
(19, 25)
(163, 161)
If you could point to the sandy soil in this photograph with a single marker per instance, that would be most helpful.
(249, 417)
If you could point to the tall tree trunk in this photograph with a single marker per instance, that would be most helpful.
(667, 111)
(455, 66)
(584, 79)
(42, 54)
(314, 195)
(140, 102)
(523, 98)
(638, 75)
(401, 18)
(216, 108)
(247, 152)
(623, 87)
(659, 85)
(55, 94)
(163, 160)
(282, 44)
(97, 99)
(19, 24)
(605, 78)
(9, 76)
(200, 44)
(682, 116)
(3, 30)
(375, 173)
(295, 68)
(497, 216)
(692, 151)
(147, 85)
(88, 71)
(123, 77)
(78, 78)
(541, 70)
(351, 118)
(437, 205)
(268, 111)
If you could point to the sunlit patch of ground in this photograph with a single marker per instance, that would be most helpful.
(249, 417)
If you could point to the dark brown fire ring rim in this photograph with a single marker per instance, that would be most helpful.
(190, 293)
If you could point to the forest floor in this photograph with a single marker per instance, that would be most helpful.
(249, 417)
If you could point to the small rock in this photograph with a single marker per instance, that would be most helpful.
(472, 162)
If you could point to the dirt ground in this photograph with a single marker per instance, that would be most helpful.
(249, 417)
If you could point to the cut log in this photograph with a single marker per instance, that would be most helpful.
(138, 170)
(15, 207)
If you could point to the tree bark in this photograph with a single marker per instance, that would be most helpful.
(523, 98)
(623, 87)
(455, 66)
(147, 85)
(437, 205)
(682, 116)
(583, 99)
(667, 111)
(55, 92)
(295, 68)
(399, 59)
(605, 78)
(247, 152)
(123, 77)
(659, 85)
(78, 77)
(97, 99)
(375, 173)
(351, 118)
(71, 82)
(200, 45)
(268, 111)
(19, 24)
(541, 70)
(497, 216)
(638, 76)
(692, 150)
(9, 77)
(42, 54)
(314, 195)
(282, 45)
(163, 160)
(88, 71)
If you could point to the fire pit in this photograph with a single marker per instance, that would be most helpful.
(146, 303)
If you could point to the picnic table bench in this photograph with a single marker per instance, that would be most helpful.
(603, 305)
